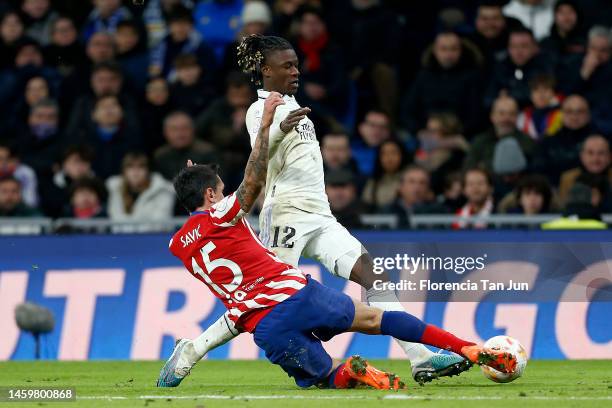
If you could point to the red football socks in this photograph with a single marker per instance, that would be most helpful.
(435, 336)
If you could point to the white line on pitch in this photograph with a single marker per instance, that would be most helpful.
(340, 397)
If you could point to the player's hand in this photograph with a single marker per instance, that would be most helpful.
(272, 102)
(293, 119)
(190, 163)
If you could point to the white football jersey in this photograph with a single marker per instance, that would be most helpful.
(295, 171)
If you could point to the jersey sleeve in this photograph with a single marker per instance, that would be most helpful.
(253, 123)
(227, 212)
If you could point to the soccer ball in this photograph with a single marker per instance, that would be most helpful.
(510, 345)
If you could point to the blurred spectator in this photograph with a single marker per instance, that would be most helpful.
(64, 52)
(381, 189)
(40, 141)
(543, 117)
(139, 194)
(591, 76)
(256, 18)
(223, 125)
(592, 67)
(155, 16)
(99, 50)
(478, 191)
(36, 89)
(156, 107)
(182, 38)
(509, 162)
(584, 200)
(132, 54)
(105, 16)
(537, 15)
(491, 34)
(39, 19)
(193, 90)
(343, 200)
(218, 21)
(594, 161)
(503, 118)
(11, 31)
(414, 196)
(87, 197)
(336, 153)
(556, 154)
(448, 81)
(372, 35)
(10, 165)
(11, 203)
(451, 198)
(284, 15)
(106, 80)
(442, 147)
(567, 33)
(110, 135)
(533, 195)
(28, 63)
(511, 76)
(372, 131)
(74, 165)
(323, 80)
(581, 211)
(181, 146)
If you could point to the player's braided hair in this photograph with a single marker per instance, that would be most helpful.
(253, 50)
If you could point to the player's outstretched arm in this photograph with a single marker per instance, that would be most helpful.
(257, 165)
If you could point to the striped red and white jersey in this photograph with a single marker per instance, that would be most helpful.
(220, 248)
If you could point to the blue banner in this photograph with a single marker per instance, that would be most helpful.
(126, 297)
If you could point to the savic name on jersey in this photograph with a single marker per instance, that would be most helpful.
(295, 171)
(220, 249)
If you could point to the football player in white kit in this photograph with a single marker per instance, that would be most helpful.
(296, 219)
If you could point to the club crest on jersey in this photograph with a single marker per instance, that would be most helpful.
(306, 131)
(191, 237)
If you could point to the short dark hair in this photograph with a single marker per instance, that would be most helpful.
(111, 66)
(537, 183)
(480, 170)
(89, 183)
(11, 179)
(191, 182)
(185, 61)
(237, 79)
(131, 24)
(180, 14)
(543, 81)
(521, 30)
(85, 153)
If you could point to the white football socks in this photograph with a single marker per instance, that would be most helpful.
(217, 334)
(387, 301)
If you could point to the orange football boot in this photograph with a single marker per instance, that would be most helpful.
(361, 371)
(498, 359)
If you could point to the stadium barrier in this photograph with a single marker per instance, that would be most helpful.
(125, 297)
(38, 226)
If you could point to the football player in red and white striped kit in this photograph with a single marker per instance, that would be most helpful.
(288, 313)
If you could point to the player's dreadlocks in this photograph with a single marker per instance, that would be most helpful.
(253, 50)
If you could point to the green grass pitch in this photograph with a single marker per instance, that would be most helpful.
(219, 383)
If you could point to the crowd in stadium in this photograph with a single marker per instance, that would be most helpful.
(458, 107)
